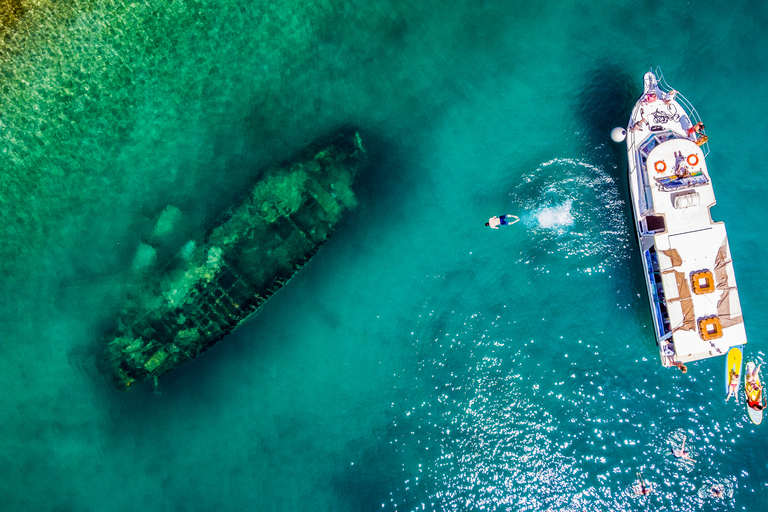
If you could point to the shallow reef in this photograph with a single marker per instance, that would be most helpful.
(214, 284)
(10, 11)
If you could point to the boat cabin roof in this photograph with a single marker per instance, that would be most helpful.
(681, 189)
(693, 253)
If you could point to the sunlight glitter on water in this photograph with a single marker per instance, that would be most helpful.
(510, 425)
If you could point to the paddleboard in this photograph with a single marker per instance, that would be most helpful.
(754, 415)
(732, 364)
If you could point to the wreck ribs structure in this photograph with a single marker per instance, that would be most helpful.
(213, 285)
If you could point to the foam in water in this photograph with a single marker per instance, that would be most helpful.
(556, 217)
(575, 212)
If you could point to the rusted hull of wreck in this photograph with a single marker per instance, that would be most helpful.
(214, 285)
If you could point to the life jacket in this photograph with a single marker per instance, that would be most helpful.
(753, 395)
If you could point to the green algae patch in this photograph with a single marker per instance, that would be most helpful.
(167, 223)
(215, 283)
(155, 361)
(10, 12)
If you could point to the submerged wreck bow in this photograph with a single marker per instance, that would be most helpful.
(213, 286)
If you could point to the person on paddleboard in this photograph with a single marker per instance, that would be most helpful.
(733, 386)
(753, 388)
(502, 220)
(753, 373)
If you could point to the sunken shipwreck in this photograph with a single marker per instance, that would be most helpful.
(215, 283)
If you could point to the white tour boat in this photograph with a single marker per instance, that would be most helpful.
(687, 260)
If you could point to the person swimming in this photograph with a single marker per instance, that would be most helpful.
(642, 488)
(502, 220)
(681, 453)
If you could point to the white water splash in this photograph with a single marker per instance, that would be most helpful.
(556, 216)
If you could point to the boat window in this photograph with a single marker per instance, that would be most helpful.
(654, 141)
(654, 259)
(648, 147)
(655, 223)
(661, 316)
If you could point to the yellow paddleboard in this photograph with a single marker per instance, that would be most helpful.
(732, 364)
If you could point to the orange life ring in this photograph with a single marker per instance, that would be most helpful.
(692, 159)
(660, 168)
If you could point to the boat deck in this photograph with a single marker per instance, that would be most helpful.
(691, 282)
(700, 262)
(683, 201)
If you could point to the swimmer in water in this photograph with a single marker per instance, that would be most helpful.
(680, 453)
(502, 220)
(642, 488)
(717, 491)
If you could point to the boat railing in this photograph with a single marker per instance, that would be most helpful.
(693, 114)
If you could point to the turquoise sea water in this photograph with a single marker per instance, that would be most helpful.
(420, 361)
